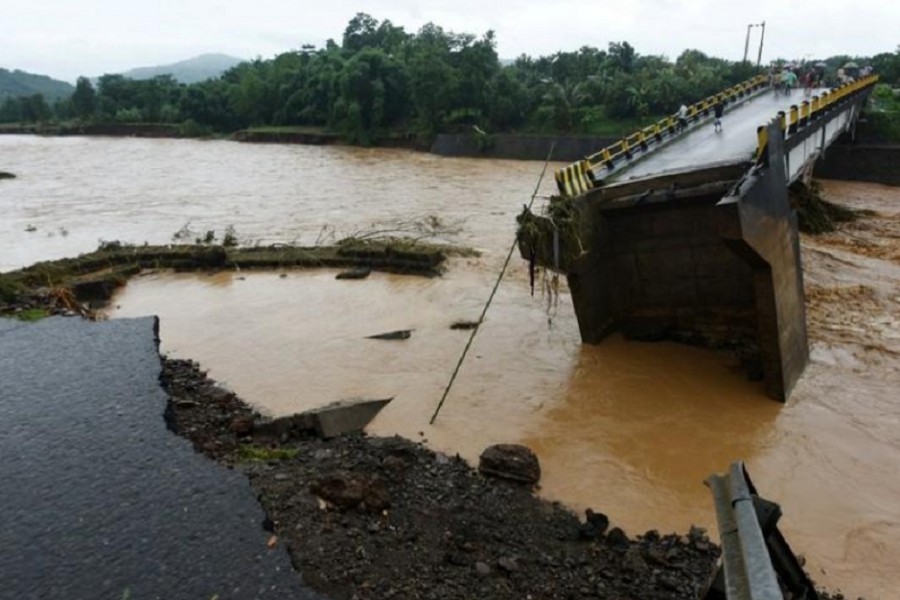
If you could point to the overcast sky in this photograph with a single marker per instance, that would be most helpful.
(67, 38)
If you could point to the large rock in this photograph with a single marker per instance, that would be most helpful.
(349, 490)
(510, 461)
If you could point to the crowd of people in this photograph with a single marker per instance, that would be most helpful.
(786, 78)
(783, 80)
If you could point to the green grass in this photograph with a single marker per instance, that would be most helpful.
(289, 129)
(262, 454)
(28, 315)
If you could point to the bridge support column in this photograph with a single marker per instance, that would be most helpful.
(761, 227)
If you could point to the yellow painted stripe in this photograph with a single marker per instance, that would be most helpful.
(762, 140)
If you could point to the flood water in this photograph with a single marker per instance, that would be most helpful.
(626, 428)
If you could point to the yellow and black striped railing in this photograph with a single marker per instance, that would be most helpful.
(579, 177)
(799, 117)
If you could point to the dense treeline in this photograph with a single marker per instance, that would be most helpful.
(381, 80)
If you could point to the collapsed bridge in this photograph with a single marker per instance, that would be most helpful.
(690, 235)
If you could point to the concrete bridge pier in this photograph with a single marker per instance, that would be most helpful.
(690, 256)
(761, 228)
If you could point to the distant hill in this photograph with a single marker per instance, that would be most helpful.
(19, 83)
(191, 70)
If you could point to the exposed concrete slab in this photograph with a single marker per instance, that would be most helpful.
(99, 499)
(331, 420)
(346, 416)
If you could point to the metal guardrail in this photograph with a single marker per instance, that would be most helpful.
(757, 563)
(799, 117)
(577, 178)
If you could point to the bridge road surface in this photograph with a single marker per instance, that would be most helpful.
(701, 145)
(97, 498)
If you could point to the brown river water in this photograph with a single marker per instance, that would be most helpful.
(627, 428)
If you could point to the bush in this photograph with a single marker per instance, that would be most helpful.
(9, 289)
(128, 115)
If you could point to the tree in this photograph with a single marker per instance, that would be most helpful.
(360, 33)
(373, 95)
(560, 102)
(35, 108)
(11, 110)
(433, 81)
(621, 56)
(477, 64)
(84, 99)
(507, 103)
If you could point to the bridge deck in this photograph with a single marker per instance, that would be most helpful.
(701, 145)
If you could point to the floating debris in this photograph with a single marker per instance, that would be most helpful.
(360, 273)
(401, 334)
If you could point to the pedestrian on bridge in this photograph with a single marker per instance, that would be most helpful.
(719, 109)
(808, 83)
(682, 118)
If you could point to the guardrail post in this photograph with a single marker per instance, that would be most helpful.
(794, 118)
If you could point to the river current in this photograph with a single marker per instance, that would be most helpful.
(627, 428)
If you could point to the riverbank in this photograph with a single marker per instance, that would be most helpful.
(873, 163)
(87, 282)
(144, 130)
(422, 524)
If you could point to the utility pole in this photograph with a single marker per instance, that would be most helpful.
(747, 42)
(761, 38)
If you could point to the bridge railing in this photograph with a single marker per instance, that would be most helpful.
(578, 177)
(818, 106)
(757, 561)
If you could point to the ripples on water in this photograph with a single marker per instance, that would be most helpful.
(628, 428)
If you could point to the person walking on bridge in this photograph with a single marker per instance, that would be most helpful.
(719, 109)
(682, 118)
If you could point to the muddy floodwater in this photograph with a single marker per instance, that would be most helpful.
(628, 428)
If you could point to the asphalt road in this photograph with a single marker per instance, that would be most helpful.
(97, 498)
(701, 145)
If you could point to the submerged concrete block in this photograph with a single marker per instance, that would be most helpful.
(345, 416)
(337, 418)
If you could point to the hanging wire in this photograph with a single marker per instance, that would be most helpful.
(491, 297)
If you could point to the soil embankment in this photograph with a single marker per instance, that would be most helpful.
(312, 138)
(874, 163)
(88, 281)
(380, 518)
(144, 130)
